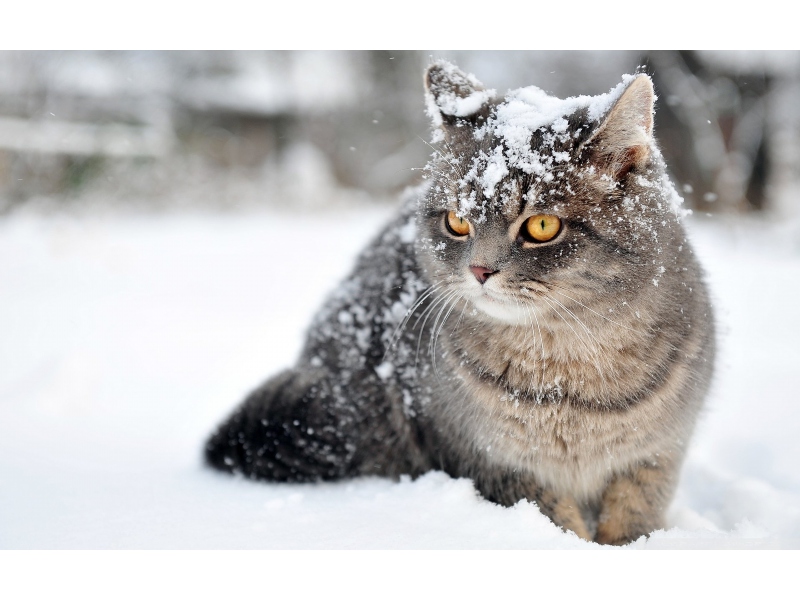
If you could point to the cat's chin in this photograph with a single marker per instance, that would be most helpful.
(504, 312)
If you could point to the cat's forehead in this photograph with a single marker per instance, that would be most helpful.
(522, 152)
(512, 195)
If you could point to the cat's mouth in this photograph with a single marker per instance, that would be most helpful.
(501, 306)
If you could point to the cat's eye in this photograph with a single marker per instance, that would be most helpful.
(541, 228)
(456, 225)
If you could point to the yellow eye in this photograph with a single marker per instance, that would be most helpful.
(456, 225)
(541, 228)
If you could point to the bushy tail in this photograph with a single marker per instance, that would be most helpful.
(289, 429)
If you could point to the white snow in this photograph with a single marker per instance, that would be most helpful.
(127, 339)
(526, 110)
(530, 108)
(494, 172)
(384, 370)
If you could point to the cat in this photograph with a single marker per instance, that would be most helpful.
(534, 319)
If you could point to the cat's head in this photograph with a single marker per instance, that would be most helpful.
(531, 195)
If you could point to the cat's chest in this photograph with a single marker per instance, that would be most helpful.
(568, 448)
(538, 426)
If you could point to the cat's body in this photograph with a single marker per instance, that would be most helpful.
(566, 368)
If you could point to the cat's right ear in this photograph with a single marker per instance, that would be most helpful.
(451, 95)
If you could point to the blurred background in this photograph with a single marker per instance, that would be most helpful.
(150, 130)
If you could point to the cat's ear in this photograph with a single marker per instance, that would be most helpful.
(623, 140)
(452, 94)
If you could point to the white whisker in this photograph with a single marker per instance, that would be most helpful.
(427, 313)
(541, 345)
(439, 331)
(583, 339)
(557, 290)
(398, 331)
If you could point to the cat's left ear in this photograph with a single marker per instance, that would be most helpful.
(623, 140)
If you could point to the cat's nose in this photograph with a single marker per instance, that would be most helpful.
(481, 273)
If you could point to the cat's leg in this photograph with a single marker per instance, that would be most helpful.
(289, 429)
(633, 504)
(563, 510)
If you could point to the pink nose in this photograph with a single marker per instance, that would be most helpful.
(481, 273)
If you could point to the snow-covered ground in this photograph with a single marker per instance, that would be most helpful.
(125, 339)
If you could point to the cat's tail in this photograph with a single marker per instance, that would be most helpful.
(289, 429)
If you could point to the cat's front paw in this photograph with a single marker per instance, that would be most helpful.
(609, 536)
(633, 504)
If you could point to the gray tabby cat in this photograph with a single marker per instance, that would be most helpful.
(533, 319)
